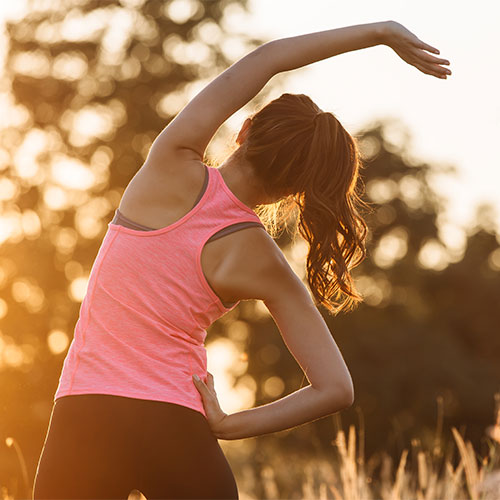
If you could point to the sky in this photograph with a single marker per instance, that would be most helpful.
(451, 122)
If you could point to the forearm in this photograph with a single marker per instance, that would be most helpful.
(285, 54)
(300, 407)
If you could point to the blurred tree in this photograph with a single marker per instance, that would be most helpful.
(91, 84)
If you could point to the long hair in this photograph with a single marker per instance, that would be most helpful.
(305, 158)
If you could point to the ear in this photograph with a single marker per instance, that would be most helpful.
(244, 131)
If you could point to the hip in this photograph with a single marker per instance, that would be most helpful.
(161, 449)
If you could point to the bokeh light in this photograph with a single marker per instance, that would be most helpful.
(225, 364)
(57, 341)
(78, 289)
(391, 247)
(433, 255)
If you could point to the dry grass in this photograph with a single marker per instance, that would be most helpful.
(430, 476)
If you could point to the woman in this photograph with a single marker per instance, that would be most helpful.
(127, 414)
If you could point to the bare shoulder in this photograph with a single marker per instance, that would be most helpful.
(174, 166)
(163, 188)
(255, 268)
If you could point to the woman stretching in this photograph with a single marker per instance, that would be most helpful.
(186, 246)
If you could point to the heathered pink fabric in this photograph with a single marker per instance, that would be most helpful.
(142, 324)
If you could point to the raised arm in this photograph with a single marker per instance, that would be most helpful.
(193, 128)
(199, 120)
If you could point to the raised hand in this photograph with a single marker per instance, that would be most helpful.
(413, 50)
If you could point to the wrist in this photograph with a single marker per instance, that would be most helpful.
(236, 425)
(223, 428)
(381, 31)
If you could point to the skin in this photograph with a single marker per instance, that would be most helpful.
(248, 264)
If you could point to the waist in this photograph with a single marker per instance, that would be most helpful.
(133, 408)
(118, 368)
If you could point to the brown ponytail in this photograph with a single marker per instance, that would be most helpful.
(305, 158)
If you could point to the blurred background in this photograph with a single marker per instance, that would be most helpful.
(87, 85)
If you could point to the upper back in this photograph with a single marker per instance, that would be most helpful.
(247, 264)
(160, 195)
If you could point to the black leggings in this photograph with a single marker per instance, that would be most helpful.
(101, 446)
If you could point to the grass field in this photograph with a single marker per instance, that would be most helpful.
(420, 474)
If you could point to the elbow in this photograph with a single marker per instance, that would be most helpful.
(339, 397)
(349, 394)
(268, 53)
(349, 399)
(344, 397)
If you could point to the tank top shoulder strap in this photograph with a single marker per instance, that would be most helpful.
(232, 196)
(228, 213)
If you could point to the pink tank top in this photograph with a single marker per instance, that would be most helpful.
(142, 324)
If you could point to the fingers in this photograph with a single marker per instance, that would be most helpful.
(429, 65)
(425, 70)
(208, 385)
(428, 47)
(432, 70)
(433, 60)
(197, 381)
(424, 57)
(210, 382)
(200, 385)
(438, 70)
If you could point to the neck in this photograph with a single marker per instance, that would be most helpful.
(240, 178)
